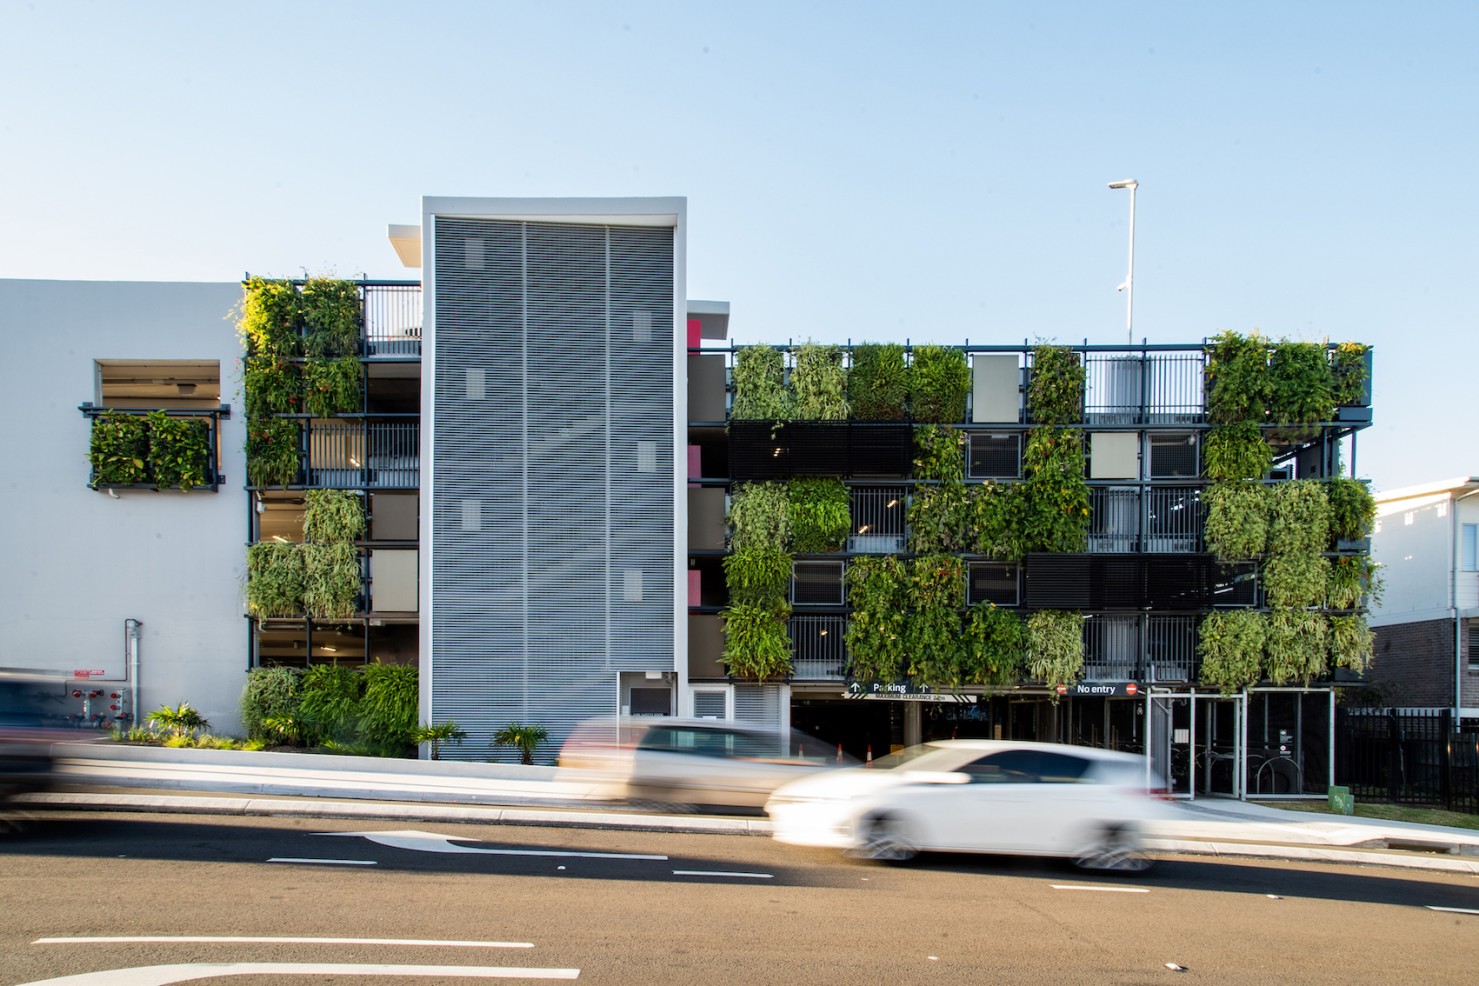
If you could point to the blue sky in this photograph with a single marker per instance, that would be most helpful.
(863, 171)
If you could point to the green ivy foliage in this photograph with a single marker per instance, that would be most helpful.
(1295, 646)
(1348, 370)
(118, 450)
(1301, 387)
(932, 634)
(269, 317)
(388, 712)
(1055, 387)
(1054, 511)
(1352, 509)
(994, 525)
(1295, 580)
(939, 454)
(1236, 378)
(939, 519)
(759, 575)
(939, 381)
(759, 381)
(332, 386)
(878, 592)
(270, 693)
(272, 451)
(1298, 517)
(331, 580)
(994, 648)
(820, 383)
(1237, 520)
(1352, 644)
(331, 317)
(759, 516)
(1236, 451)
(275, 579)
(329, 700)
(878, 383)
(756, 644)
(821, 515)
(1055, 647)
(333, 517)
(271, 385)
(1231, 647)
(179, 451)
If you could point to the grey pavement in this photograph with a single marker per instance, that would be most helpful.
(117, 777)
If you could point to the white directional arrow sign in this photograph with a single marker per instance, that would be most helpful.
(431, 842)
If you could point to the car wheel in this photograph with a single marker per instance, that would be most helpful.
(886, 839)
(1116, 849)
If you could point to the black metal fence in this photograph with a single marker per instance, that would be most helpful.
(1408, 756)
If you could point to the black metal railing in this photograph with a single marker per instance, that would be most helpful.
(393, 315)
(362, 453)
(818, 648)
(1152, 519)
(1137, 647)
(212, 416)
(1407, 756)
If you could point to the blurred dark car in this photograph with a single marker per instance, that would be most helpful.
(32, 718)
(683, 763)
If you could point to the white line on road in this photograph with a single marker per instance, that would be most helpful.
(752, 876)
(1107, 890)
(163, 975)
(1453, 910)
(249, 939)
(322, 862)
(431, 842)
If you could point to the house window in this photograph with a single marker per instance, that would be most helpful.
(1174, 456)
(994, 456)
(878, 514)
(1474, 645)
(1470, 547)
(172, 384)
(155, 424)
(816, 583)
(993, 582)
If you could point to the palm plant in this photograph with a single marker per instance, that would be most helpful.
(525, 737)
(436, 735)
(182, 720)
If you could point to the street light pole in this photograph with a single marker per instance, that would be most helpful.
(1129, 286)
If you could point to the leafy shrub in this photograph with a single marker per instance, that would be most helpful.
(329, 697)
(939, 381)
(1295, 646)
(1237, 520)
(938, 519)
(270, 693)
(179, 451)
(932, 634)
(1055, 387)
(877, 591)
(1295, 581)
(878, 383)
(1352, 645)
(270, 312)
(275, 579)
(272, 385)
(272, 452)
(1236, 378)
(994, 647)
(1352, 509)
(119, 450)
(331, 317)
(1348, 370)
(756, 644)
(1236, 451)
(758, 575)
(993, 524)
(1054, 510)
(759, 516)
(332, 386)
(759, 380)
(1298, 517)
(821, 515)
(939, 454)
(333, 516)
(1301, 387)
(389, 711)
(1055, 647)
(1231, 647)
(819, 383)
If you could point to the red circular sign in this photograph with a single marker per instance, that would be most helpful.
(1062, 689)
(1131, 688)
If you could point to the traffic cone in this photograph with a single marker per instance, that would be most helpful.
(839, 752)
(869, 761)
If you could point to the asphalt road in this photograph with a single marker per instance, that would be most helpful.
(635, 907)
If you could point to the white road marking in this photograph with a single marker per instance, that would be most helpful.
(249, 939)
(1453, 910)
(431, 842)
(163, 975)
(322, 862)
(752, 876)
(1107, 890)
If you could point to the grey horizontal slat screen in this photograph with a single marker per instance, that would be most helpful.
(553, 558)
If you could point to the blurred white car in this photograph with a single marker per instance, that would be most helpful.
(986, 796)
(682, 763)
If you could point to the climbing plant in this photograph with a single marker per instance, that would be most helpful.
(1231, 644)
(938, 519)
(332, 386)
(1054, 510)
(878, 383)
(993, 525)
(759, 381)
(819, 383)
(1300, 387)
(1236, 378)
(331, 317)
(269, 317)
(1352, 509)
(272, 452)
(939, 454)
(1237, 520)
(939, 380)
(119, 450)
(756, 644)
(1348, 372)
(1055, 386)
(1352, 645)
(179, 450)
(1295, 646)
(820, 514)
(878, 592)
(1055, 647)
(932, 634)
(1236, 451)
(759, 516)
(993, 648)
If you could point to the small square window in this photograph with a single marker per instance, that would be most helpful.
(993, 582)
(1174, 456)
(994, 456)
(816, 583)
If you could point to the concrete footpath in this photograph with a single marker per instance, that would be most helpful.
(103, 776)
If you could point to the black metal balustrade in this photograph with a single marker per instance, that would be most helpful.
(818, 647)
(362, 453)
(393, 316)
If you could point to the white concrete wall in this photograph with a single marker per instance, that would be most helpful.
(1414, 543)
(74, 563)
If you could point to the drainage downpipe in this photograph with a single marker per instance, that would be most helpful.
(131, 672)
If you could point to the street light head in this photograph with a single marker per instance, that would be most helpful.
(1127, 183)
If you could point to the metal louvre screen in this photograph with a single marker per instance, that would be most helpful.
(552, 499)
